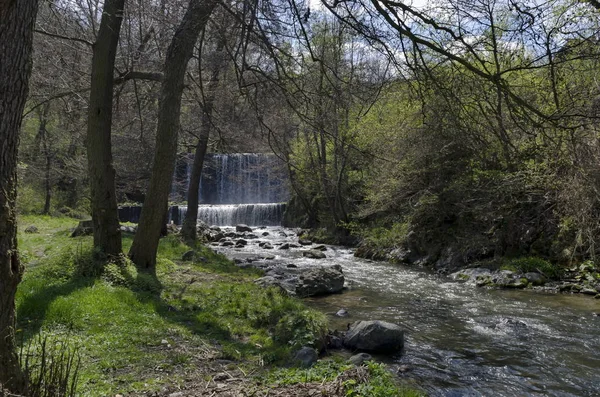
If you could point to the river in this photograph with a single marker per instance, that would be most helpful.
(461, 340)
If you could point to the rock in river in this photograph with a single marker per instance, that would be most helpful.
(305, 282)
(241, 228)
(374, 336)
(314, 254)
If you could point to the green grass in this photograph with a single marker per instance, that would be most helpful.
(135, 333)
(372, 381)
(119, 318)
(532, 264)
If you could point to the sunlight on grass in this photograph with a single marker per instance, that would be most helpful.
(131, 328)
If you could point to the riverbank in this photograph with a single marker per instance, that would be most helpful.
(202, 326)
(512, 273)
(476, 268)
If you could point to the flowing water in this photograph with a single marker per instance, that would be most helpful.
(461, 340)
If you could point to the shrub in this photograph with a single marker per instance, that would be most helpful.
(533, 264)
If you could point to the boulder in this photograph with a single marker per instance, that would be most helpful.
(265, 233)
(359, 359)
(128, 229)
(304, 241)
(32, 229)
(314, 254)
(508, 279)
(217, 236)
(202, 227)
(320, 281)
(188, 255)
(320, 248)
(267, 246)
(242, 242)
(285, 246)
(470, 274)
(241, 228)
(342, 313)
(374, 336)
(84, 228)
(306, 357)
(172, 228)
(334, 342)
(305, 282)
(535, 278)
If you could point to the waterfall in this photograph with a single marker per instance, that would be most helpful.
(243, 178)
(247, 188)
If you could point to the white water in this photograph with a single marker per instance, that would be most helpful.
(461, 340)
(269, 214)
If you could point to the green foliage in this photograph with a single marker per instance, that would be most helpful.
(240, 311)
(385, 237)
(124, 273)
(533, 264)
(380, 383)
(373, 381)
(321, 371)
(29, 200)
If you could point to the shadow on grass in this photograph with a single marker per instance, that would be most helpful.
(236, 336)
(42, 285)
(196, 313)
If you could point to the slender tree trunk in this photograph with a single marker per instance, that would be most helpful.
(47, 183)
(43, 133)
(17, 18)
(105, 215)
(145, 244)
(188, 230)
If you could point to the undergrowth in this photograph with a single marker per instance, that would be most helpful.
(533, 264)
(373, 380)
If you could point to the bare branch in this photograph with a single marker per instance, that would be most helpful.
(59, 36)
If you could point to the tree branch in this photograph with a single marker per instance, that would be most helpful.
(59, 36)
(138, 75)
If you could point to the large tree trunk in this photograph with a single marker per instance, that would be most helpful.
(188, 230)
(17, 18)
(105, 215)
(145, 244)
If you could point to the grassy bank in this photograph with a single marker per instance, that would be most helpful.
(195, 322)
